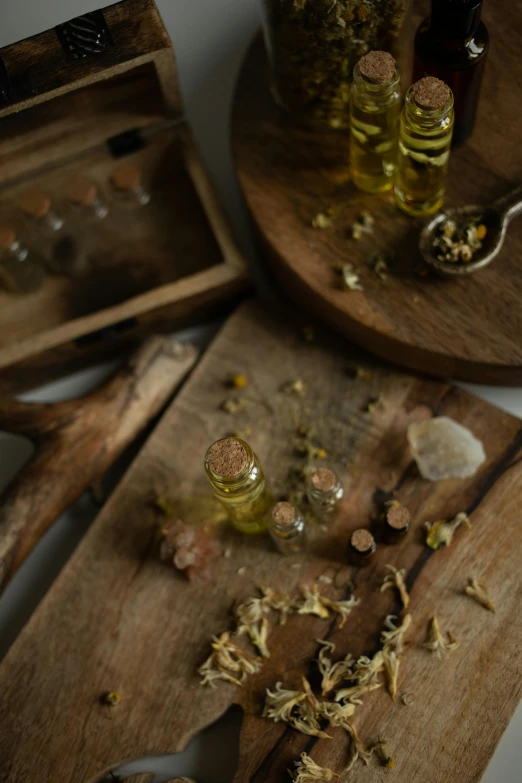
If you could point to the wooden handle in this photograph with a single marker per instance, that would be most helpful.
(77, 441)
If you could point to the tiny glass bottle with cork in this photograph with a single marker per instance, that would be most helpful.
(395, 520)
(362, 547)
(238, 482)
(426, 129)
(374, 120)
(126, 181)
(63, 252)
(21, 270)
(287, 528)
(84, 195)
(452, 44)
(324, 491)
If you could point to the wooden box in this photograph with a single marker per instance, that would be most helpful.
(78, 99)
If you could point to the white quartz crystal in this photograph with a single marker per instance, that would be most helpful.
(444, 449)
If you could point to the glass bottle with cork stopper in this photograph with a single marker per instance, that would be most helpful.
(21, 270)
(426, 129)
(396, 521)
(324, 491)
(452, 44)
(237, 480)
(287, 528)
(374, 120)
(84, 195)
(126, 181)
(362, 547)
(62, 251)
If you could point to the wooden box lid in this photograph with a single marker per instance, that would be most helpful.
(72, 100)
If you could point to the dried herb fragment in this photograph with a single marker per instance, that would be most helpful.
(279, 602)
(349, 278)
(396, 579)
(234, 405)
(393, 636)
(110, 698)
(442, 532)
(300, 709)
(436, 642)
(374, 404)
(239, 381)
(319, 605)
(322, 221)
(407, 699)
(296, 388)
(479, 593)
(308, 771)
(227, 662)
(333, 673)
(363, 374)
(381, 751)
(163, 505)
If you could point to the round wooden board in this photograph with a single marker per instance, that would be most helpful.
(468, 328)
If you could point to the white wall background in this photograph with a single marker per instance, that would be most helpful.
(210, 38)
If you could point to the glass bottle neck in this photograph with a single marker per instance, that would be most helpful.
(376, 90)
(455, 20)
(247, 478)
(428, 118)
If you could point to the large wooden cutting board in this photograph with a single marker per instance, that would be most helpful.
(118, 619)
(466, 328)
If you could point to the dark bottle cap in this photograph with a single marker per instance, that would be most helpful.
(455, 19)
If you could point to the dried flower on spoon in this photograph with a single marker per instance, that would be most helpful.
(479, 593)
(436, 642)
(396, 579)
(308, 771)
(442, 532)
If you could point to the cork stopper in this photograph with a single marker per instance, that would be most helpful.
(284, 514)
(362, 541)
(35, 203)
(377, 67)
(7, 237)
(323, 480)
(398, 517)
(80, 190)
(227, 458)
(126, 176)
(430, 93)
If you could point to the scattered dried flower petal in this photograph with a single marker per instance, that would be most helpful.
(333, 673)
(436, 642)
(227, 662)
(442, 532)
(320, 605)
(407, 699)
(322, 221)
(307, 771)
(296, 387)
(374, 404)
(393, 638)
(350, 280)
(479, 593)
(111, 698)
(396, 579)
(381, 751)
(234, 405)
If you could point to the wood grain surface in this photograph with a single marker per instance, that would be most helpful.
(118, 619)
(77, 441)
(468, 328)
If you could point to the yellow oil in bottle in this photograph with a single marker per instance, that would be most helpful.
(374, 120)
(237, 480)
(424, 151)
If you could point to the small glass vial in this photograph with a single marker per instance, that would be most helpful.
(325, 491)
(374, 122)
(62, 251)
(396, 521)
(83, 194)
(128, 187)
(237, 480)
(362, 547)
(287, 528)
(426, 130)
(21, 271)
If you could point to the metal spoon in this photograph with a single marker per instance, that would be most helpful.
(496, 218)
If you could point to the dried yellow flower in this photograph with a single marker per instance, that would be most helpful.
(332, 673)
(363, 374)
(239, 381)
(357, 749)
(227, 662)
(320, 605)
(354, 694)
(308, 771)
(163, 505)
(436, 642)
(322, 221)
(442, 532)
(300, 709)
(374, 404)
(279, 602)
(350, 280)
(381, 751)
(396, 579)
(280, 703)
(480, 594)
(393, 637)
(296, 387)
(391, 667)
(336, 714)
(234, 405)
(111, 698)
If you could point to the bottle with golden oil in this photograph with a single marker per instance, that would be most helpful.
(426, 130)
(374, 121)
(237, 480)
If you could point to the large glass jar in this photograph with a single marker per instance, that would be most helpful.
(314, 45)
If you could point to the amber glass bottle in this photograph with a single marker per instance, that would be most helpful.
(452, 44)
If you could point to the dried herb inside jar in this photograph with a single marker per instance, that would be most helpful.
(314, 46)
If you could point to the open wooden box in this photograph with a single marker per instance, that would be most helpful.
(73, 100)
